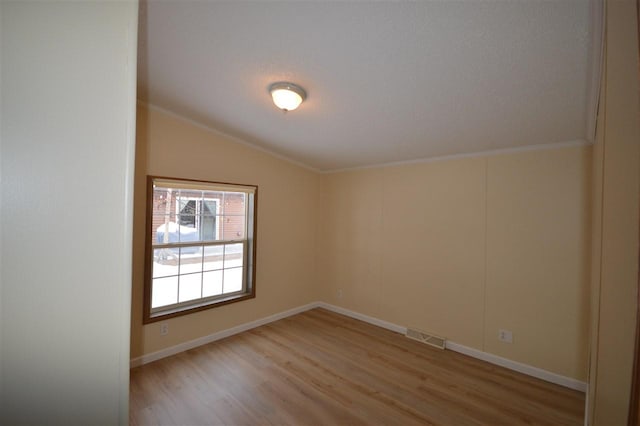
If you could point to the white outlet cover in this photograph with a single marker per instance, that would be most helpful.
(505, 336)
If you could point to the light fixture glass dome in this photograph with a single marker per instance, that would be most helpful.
(287, 96)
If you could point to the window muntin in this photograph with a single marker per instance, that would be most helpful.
(201, 240)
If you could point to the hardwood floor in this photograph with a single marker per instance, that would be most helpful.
(321, 368)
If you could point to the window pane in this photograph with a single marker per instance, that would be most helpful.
(187, 220)
(213, 257)
(190, 259)
(187, 201)
(220, 228)
(160, 222)
(163, 199)
(232, 280)
(210, 206)
(190, 193)
(233, 254)
(189, 217)
(160, 194)
(187, 205)
(165, 262)
(215, 196)
(211, 283)
(185, 233)
(233, 203)
(175, 233)
(164, 291)
(233, 227)
(189, 287)
(208, 227)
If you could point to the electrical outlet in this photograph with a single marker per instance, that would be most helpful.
(505, 336)
(339, 293)
(164, 329)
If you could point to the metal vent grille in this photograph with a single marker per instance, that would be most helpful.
(429, 339)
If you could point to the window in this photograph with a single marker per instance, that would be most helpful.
(200, 246)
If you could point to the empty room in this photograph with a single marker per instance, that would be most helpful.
(320, 213)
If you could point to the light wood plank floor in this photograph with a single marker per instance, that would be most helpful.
(321, 368)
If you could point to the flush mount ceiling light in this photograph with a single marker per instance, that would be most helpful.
(287, 96)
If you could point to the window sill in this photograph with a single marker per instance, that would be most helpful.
(195, 307)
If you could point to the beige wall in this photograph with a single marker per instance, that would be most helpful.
(464, 247)
(287, 216)
(459, 248)
(538, 229)
(405, 244)
(616, 191)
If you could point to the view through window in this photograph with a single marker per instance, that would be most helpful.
(200, 245)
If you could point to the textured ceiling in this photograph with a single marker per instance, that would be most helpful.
(386, 81)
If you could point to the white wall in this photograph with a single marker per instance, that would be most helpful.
(68, 114)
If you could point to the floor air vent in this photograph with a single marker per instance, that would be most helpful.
(429, 339)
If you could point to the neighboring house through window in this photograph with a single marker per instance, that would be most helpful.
(200, 245)
(199, 213)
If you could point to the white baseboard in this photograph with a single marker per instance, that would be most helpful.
(529, 370)
(456, 347)
(363, 317)
(163, 353)
(474, 353)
